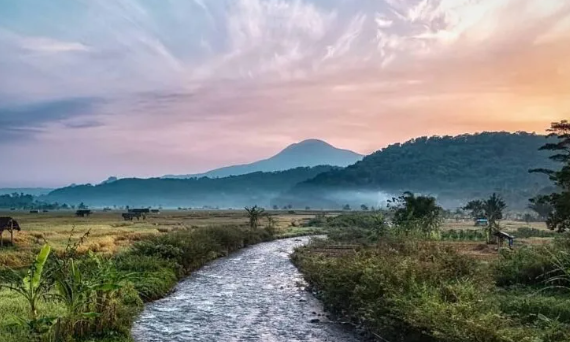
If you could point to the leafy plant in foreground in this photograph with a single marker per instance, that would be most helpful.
(32, 287)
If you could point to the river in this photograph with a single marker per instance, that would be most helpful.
(255, 294)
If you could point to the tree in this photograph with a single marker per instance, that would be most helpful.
(254, 214)
(416, 213)
(542, 209)
(493, 209)
(81, 206)
(528, 218)
(558, 217)
(346, 207)
(364, 207)
(476, 209)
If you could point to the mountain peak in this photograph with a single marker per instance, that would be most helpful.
(306, 153)
(310, 143)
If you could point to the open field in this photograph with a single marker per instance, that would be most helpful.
(172, 244)
(109, 233)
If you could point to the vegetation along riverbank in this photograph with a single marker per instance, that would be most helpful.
(79, 290)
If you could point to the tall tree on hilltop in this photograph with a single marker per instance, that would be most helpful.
(559, 217)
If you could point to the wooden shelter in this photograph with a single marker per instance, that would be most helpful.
(8, 223)
(502, 236)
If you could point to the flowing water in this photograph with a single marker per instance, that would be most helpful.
(252, 295)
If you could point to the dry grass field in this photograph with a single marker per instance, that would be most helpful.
(109, 233)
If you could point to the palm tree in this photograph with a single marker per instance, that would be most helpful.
(493, 210)
(254, 214)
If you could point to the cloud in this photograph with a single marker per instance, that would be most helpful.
(30, 119)
(174, 82)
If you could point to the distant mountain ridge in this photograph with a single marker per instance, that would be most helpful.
(307, 153)
(452, 168)
(229, 192)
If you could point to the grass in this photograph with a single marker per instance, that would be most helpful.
(409, 288)
(12, 307)
(110, 234)
(156, 253)
(166, 247)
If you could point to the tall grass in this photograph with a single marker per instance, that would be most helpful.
(88, 297)
(409, 288)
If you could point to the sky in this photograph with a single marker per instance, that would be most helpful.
(98, 88)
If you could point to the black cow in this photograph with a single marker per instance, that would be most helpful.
(131, 216)
(8, 223)
(83, 213)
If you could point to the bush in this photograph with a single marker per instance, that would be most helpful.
(527, 266)
(110, 290)
(526, 232)
(529, 305)
(418, 291)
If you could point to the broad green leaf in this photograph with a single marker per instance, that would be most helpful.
(33, 279)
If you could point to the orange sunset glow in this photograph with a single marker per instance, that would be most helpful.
(238, 83)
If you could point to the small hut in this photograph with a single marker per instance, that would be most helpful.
(8, 223)
(502, 236)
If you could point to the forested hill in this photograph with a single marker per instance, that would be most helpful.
(236, 191)
(461, 167)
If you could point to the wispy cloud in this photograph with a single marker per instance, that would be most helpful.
(180, 79)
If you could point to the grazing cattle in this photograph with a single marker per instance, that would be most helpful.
(8, 223)
(131, 216)
(83, 212)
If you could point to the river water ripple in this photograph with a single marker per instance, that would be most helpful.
(252, 295)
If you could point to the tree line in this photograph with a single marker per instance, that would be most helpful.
(26, 201)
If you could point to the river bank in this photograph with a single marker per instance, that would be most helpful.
(424, 291)
(145, 272)
(255, 294)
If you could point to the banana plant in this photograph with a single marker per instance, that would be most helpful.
(32, 287)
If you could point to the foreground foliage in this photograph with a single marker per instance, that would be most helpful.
(558, 202)
(70, 296)
(414, 289)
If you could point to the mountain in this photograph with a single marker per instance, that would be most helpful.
(230, 192)
(307, 153)
(454, 169)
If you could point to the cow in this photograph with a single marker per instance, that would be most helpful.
(83, 213)
(128, 216)
(131, 215)
(8, 223)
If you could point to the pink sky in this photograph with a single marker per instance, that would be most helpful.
(265, 74)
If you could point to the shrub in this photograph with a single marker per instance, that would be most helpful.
(417, 291)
